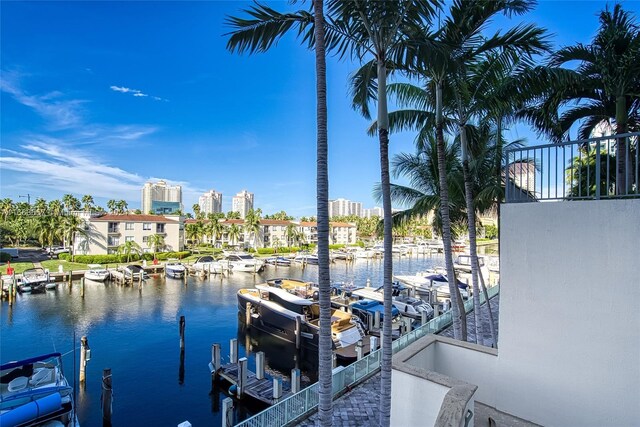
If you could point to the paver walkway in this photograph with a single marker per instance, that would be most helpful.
(360, 406)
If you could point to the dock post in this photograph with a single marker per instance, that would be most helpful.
(423, 316)
(233, 350)
(368, 283)
(70, 274)
(295, 380)
(215, 359)
(436, 310)
(260, 365)
(107, 392)
(84, 351)
(407, 324)
(359, 349)
(373, 344)
(247, 314)
(298, 332)
(82, 287)
(12, 288)
(277, 389)
(242, 376)
(182, 326)
(376, 320)
(227, 412)
(370, 321)
(334, 360)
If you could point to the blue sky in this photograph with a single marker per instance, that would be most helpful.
(100, 97)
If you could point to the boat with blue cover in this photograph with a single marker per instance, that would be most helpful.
(34, 392)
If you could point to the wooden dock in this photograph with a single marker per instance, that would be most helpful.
(259, 389)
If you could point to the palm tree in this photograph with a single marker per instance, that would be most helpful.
(72, 225)
(55, 207)
(252, 225)
(291, 233)
(194, 231)
(603, 88)
(155, 241)
(6, 208)
(112, 205)
(70, 202)
(87, 202)
(48, 230)
(121, 206)
(234, 234)
(129, 247)
(196, 210)
(40, 206)
(259, 36)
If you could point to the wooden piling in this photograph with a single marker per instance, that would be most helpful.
(242, 376)
(84, 346)
(227, 412)
(376, 320)
(215, 359)
(233, 350)
(260, 365)
(70, 275)
(107, 393)
(82, 287)
(334, 360)
(295, 380)
(247, 314)
(182, 326)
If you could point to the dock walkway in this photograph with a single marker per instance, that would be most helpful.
(259, 389)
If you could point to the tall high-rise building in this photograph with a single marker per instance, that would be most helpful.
(242, 202)
(343, 207)
(161, 198)
(210, 202)
(368, 213)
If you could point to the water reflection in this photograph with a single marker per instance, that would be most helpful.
(133, 332)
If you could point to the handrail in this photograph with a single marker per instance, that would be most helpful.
(305, 401)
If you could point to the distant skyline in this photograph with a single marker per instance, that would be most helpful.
(100, 97)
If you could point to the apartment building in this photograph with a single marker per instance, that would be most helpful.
(160, 198)
(344, 207)
(242, 202)
(105, 233)
(210, 202)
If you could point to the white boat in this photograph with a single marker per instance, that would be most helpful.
(209, 265)
(361, 253)
(463, 263)
(134, 272)
(175, 269)
(426, 281)
(244, 262)
(34, 280)
(306, 258)
(96, 273)
(406, 305)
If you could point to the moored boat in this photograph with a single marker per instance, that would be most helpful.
(34, 280)
(244, 262)
(34, 392)
(96, 273)
(278, 261)
(210, 265)
(174, 269)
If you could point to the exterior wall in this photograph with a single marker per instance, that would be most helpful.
(343, 234)
(242, 202)
(210, 202)
(415, 401)
(569, 317)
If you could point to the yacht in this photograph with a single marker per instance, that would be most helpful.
(407, 306)
(277, 312)
(306, 258)
(96, 273)
(424, 282)
(175, 269)
(209, 264)
(244, 262)
(34, 392)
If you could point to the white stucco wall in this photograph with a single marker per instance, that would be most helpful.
(411, 392)
(569, 317)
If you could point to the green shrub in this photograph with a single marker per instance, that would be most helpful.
(336, 246)
(65, 256)
(266, 251)
(491, 232)
(5, 256)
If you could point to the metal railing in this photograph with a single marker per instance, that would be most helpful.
(576, 170)
(306, 401)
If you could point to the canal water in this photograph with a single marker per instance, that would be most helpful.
(136, 334)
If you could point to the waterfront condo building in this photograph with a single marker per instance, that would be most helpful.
(368, 213)
(160, 198)
(344, 207)
(106, 233)
(210, 202)
(242, 202)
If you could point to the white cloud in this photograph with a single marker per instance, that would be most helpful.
(134, 92)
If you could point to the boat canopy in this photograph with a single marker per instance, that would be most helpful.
(19, 363)
(286, 296)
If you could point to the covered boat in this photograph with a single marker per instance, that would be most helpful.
(34, 280)
(97, 273)
(175, 269)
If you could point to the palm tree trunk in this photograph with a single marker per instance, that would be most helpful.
(325, 394)
(492, 328)
(471, 219)
(383, 136)
(622, 172)
(457, 314)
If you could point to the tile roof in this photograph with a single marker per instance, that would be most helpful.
(133, 218)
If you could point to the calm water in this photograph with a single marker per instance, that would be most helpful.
(137, 336)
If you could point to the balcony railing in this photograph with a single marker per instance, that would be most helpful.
(304, 402)
(576, 170)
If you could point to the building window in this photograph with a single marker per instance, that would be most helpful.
(128, 226)
(113, 241)
(146, 226)
(145, 239)
(113, 227)
(128, 239)
(159, 228)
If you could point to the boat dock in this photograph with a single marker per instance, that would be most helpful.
(247, 383)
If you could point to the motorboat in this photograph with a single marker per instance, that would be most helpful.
(210, 265)
(296, 287)
(407, 306)
(306, 258)
(424, 282)
(244, 262)
(34, 392)
(96, 273)
(34, 280)
(278, 261)
(134, 271)
(296, 320)
(175, 269)
(463, 263)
